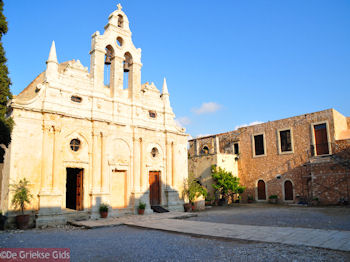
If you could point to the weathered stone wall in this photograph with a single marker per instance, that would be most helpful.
(324, 177)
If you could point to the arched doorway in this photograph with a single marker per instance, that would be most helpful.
(288, 190)
(261, 190)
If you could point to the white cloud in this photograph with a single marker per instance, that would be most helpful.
(183, 121)
(206, 108)
(250, 124)
(202, 135)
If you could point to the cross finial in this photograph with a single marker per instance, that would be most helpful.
(119, 7)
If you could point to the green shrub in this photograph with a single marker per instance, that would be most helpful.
(142, 205)
(273, 197)
(225, 183)
(193, 189)
(104, 207)
(21, 195)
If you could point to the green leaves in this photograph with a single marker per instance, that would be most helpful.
(21, 194)
(193, 189)
(225, 182)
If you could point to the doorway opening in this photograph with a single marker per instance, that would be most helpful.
(261, 190)
(154, 188)
(74, 188)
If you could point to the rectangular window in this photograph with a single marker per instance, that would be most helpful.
(259, 145)
(235, 148)
(321, 139)
(285, 141)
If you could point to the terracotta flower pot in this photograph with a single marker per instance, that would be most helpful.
(22, 221)
(187, 207)
(141, 211)
(104, 214)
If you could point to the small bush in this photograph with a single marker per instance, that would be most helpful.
(142, 205)
(104, 207)
(273, 197)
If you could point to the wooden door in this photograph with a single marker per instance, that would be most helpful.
(79, 191)
(154, 188)
(321, 139)
(261, 190)
(288, 190)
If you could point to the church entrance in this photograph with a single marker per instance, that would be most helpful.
(154, 188)
(74, 188)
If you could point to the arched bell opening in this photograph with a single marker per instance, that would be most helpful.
(108, 65)
(120, 21)
(127, 68)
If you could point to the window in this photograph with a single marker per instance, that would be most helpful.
(154, 152)
(76, 99)
(205, 150)
(75, 144)
(235, 148)
(285, 140)
(152, 114)
(119, 41)
(120, 21)
(259, 147)
(321, 139)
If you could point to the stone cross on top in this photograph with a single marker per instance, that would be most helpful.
(119, 7)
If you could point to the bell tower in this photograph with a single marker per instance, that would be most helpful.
(115, 61)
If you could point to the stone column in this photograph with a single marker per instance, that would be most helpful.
(95, 161)
(142, 178)
(47, 160)
(168, 164)
(136, 161)
(56, 160)
(172, 165)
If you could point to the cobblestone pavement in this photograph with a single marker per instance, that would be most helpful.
(335, 218)
(124, 243)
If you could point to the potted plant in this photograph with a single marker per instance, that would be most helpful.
(103, 210)
(315, 201)
(20, 198)
(2, 221)
(192, 190)
(273, 199)
(141, 208)
(250, 199)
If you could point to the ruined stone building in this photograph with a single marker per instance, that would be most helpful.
(297, 158)
(85, 137)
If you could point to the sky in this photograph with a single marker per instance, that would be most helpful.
(227, 63)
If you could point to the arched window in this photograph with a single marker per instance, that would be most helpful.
(107, 67)
(119, 41)
(120, 21)
(288, 190)
(261, 190)
(127, 65)
(205, 150)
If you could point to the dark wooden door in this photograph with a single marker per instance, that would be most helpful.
(321, 139)
(288, 190)
(261, 190)
(154, 188)
(79, 191)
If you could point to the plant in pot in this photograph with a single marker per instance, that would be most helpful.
(315, 201)
(273, 199)
(250, 199)
(192, 190)
(103, 210)
(141, 208)
(20, 198)
(2, 221)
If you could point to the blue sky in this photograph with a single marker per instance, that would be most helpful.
(227, 63)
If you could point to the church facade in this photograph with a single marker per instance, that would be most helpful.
(84, 138)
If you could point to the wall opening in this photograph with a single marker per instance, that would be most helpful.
(286, 141)
(261, 190)
(259, 145)
(74, 188)
(288, 190)
(107, 65)
(321, 139)
(127, 67)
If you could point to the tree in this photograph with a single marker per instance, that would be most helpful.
(6, 124)
(225, 183)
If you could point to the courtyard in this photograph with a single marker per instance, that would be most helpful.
(129, 243)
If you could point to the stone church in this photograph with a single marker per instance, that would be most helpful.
(83, 138)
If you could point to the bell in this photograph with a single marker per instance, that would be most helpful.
(108, 60)
(126, 67)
